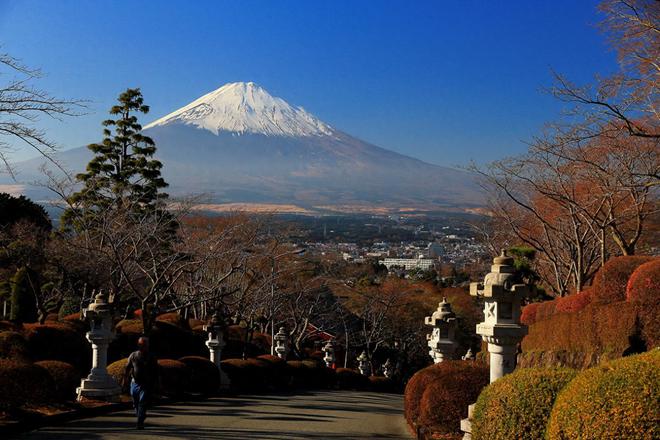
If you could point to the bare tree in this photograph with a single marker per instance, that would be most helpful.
(21, 105)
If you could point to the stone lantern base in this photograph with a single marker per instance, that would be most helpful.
(99, 387)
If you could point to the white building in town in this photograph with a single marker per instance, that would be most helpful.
(408, 263)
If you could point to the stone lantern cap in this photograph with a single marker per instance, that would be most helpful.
(100, 304)
(216, 324)
(330, 345)
(363, 357)
(501, 281)
(443, 313)
(281, 335)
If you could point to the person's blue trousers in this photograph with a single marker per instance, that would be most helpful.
(139, 395)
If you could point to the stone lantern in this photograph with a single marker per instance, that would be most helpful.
(363, 363)
(281, 340)
(442, 340)
(503, 293)
(469, 356)
(329, 350)
(215, 344)
(388, 368)
(99, 385)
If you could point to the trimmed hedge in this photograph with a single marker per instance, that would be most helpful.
(174, 376)
(518, 405)
(348, 379)
(204, 375)
(254, 375)
(617, 400)
(610, 281)
(65, 378)
(528, 315)
(574, 303)
(116, 370)
(383, 384)
(174, 319)
(310, 373)
(23, 383)
(595, 332)
(166, 341)
(643, 289)
(14, 346)
(445, 399)
(59, 342)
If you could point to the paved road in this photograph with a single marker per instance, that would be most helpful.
(328, 415)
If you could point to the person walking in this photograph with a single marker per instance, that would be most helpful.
(142, 368)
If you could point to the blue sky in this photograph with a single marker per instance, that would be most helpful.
(443, 81)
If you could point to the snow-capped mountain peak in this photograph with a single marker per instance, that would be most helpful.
(244, 107)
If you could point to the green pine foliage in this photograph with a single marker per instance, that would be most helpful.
(123, 172)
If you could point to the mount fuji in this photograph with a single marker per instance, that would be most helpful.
(239, 144)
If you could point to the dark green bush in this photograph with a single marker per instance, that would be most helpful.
(518, 405)
(59, 342)
(174, 376)
(65, 378)
(14, 346)
(23, 383)
(615, 400)
(23, 305)
(204, 375)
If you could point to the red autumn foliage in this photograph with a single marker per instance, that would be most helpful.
(610, 282)
(545, 310)
(445, 400)
(574, 303)
(594, 330)
(528, 315)
(644, 290)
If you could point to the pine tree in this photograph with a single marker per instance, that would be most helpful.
(123, 172)
(23, 303)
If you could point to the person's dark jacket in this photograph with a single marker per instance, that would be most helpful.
(143, 369)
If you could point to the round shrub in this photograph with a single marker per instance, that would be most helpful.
(445, 399)
(348, 379)
(617, 400)
(518, 405)
(414, 390)
(59, 342)
(24, 383)
(65, 378)
(204, 375)
(610, 282)
(643, 289)
(116, 370)
(14, 346)
(173, 377)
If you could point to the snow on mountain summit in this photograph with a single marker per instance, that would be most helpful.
(246, 108)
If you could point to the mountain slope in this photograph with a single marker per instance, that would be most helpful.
(240, 144)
